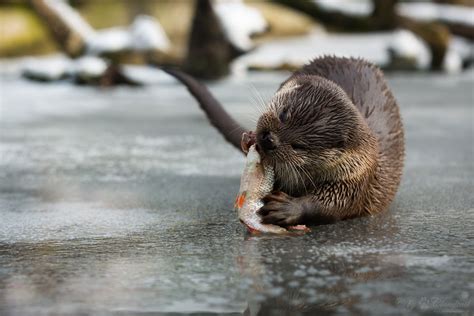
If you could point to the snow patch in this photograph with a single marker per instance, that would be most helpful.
(407, 45)
(463, 47)
(145, 33)
(459, 50)
(373, 47)
(239, 22)
(359, 8)
(416, 10)
(147, 75)
(148, 34)
(48, 68)
(89, 67)
(452, 62)
(58, 66)
(434, 11)
(109, 40)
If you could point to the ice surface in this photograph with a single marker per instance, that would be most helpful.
(119, 201)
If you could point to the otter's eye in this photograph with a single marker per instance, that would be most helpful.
(283, 116)
(299, 147)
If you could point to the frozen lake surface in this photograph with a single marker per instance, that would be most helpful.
(120, 202)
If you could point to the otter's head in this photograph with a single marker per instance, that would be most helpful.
(311, 132)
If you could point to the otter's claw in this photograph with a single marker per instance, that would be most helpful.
(281, 209)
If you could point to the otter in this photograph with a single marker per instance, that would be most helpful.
(334, 136)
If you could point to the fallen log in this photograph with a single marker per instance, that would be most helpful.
(460, 29)
(384, 17)
(65, 26)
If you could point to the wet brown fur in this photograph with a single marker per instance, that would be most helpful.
(344, 115)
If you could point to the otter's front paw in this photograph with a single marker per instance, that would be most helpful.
(281, 209)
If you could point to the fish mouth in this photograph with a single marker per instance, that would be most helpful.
(248, 139)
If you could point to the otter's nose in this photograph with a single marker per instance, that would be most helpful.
(267, 141)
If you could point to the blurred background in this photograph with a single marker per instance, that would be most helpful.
(116, 194)
(212, 39)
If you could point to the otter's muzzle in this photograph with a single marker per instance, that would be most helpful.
(267, 141)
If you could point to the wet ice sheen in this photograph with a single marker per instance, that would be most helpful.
(121, 201)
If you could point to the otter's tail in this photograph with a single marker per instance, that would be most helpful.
(222, 121)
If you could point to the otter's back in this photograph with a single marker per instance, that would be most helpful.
(365, 85)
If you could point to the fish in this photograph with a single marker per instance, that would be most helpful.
(256, 182)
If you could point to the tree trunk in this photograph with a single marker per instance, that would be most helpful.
(209, 51)
(71, 42)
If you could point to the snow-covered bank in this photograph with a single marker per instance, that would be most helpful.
(295, 52)
(380, 48)
(359, 8)
(417, 10)
(393, 50)
(435, 11)
(58, 67)
(144, 34)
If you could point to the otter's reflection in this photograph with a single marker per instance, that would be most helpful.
(321, 272)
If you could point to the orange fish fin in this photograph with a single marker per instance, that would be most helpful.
(240, 200)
